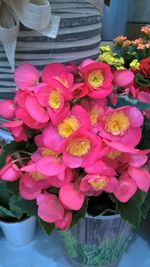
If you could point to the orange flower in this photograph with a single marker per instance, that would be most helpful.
(137, 42)
(127, 43)
(120, 39)
(146, 30)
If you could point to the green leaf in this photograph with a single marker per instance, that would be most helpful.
(47, 227)
(141, 80)
(5, 194)
(132, 210)
(26, 206)
(145, 141)
(128, 101)
(7, 150)
(6, 213)
(80, 214)
(13, 187)
(146, 206)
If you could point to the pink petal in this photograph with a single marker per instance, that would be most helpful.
(50, 166)
(123, 78)
(10, 172)
(138, 160)
(7, 109)
(26, 77)
(121, 147)
(81, 115)
(35, 110)
(50, 209)
(65, 222)
(39, 140)
(144, 97)
(133, 136)
(71, 161)
(141, 178)
(71, 197)
(100, 168)
(125, 190)
(30, 189)
(135, 116)
(111, 187)
(42, 92)
(52, 139)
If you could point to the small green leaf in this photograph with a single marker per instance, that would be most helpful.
(130, 212)
(6, 213)
(5, 194)
(128, 101)
(47, 227)
(146, 206)
(26, 206)
(13, 187)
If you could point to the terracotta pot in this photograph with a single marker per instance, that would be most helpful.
(97, 241)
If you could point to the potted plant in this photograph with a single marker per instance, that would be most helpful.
(16, 215)
(79, 154)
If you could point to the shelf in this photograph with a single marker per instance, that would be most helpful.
(45, 251)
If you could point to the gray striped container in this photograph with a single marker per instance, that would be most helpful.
(97, 241)
(79, 37)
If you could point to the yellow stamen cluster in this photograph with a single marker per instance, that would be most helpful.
(93, 115)
(95, 79)
(78, 147)
(36, 176)
(68, 126)
(99, 182)
(54, 99)
(48, 152)
(117, 123)
(113, 154)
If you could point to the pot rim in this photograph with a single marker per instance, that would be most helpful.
(103, 217)
(18, 222)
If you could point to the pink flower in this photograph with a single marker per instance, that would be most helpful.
(101, 168)
(96, 183)
(55, 137)
(129, 182)
(123, 78)
(71, 197)
(82, 149)
(122, 125)
(32, 184)
(141, 178)
(17, 130)
(79, 90)
(58, 73)
(95, 109)
(23, 115)
(10, 172)
(35, 110)
(7, 109)
(98, 78)
(65, 222)
(126, 189)
(49, 208)
(54, 99)
(26, 77)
